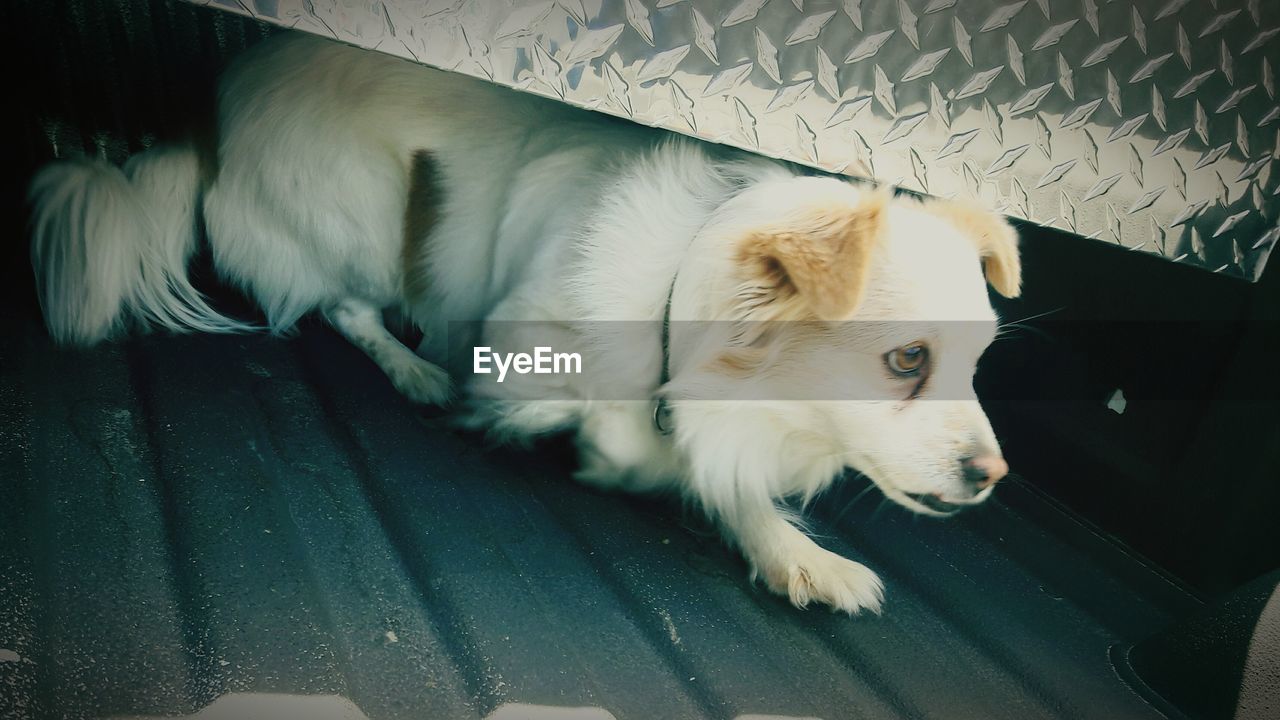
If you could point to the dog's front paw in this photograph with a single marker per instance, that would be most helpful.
(421, 381)
(817, 575)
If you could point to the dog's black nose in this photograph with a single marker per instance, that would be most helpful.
(984, 471)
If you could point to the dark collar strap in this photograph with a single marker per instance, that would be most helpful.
(661, 412)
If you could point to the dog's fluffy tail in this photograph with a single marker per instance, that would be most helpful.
(110, 246)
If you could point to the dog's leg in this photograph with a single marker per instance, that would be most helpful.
(361, 323)
(736, 471)
(792, 564)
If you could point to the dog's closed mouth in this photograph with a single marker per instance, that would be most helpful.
(936, 503)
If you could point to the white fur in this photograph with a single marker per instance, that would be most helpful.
(109, 246)
(554, 215)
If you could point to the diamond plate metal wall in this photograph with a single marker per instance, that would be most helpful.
(1153, 125)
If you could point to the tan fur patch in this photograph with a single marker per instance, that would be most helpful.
(762, 343)
(997, 242)
(739, 362)
(819, 266)
(422, 212)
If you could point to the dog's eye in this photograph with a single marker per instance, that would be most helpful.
(907, 360)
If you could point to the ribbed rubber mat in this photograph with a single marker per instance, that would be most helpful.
(186, 517)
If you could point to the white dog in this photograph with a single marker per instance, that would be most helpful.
(349, 183)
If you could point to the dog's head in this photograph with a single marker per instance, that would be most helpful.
(858, 320)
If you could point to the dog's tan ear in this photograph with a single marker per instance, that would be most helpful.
(996, 239)
(819, 264)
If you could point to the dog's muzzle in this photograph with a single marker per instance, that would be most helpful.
(980, 475)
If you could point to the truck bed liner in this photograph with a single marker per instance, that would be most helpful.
(194, 516)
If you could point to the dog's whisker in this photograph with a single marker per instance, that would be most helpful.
(1031, 329)
(1037, 316)
(861, 494)
(875, 513)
